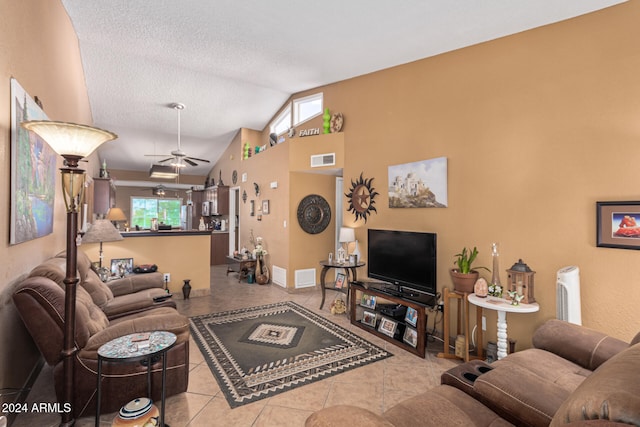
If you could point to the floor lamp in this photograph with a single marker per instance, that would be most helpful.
(73, 142)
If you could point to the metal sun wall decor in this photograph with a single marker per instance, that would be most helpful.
(361, 197)
(33, 172)
(420, 184)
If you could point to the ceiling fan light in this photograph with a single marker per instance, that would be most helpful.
(163, 171)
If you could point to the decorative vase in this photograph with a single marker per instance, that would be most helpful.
(262, 272)
(186, 288)
(326, 117)
(463, 282)
(137, 413)
(202, 226)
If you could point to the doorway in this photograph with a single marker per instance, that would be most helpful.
(234, 219)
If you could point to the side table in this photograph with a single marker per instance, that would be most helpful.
(463, 313)
(125, 349)
(350, 268)
(502, 306)
(243, 266)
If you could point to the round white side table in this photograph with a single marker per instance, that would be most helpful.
(502, 306)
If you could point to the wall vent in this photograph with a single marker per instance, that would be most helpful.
(319, 160)
(279, 276)
(305, 278)
(568, 295)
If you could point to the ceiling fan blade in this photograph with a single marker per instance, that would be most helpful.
(165, 160)
(199, 160)
(186, 159)
(157, 155)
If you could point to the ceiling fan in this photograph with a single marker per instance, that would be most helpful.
(178, 158)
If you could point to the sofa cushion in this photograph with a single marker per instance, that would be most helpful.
(52, 268)
(586, 347)
(99, 291)
(440, 406)
(89, 314)
(611, 393)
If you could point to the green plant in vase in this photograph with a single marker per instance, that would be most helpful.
(465, 275)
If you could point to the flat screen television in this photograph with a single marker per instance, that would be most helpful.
(406, 259)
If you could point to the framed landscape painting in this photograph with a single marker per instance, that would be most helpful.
(420, 184)
(33, 172)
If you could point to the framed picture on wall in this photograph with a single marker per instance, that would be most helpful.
(265, 207)
(618, 224)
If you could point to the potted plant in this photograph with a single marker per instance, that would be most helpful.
(464, 276)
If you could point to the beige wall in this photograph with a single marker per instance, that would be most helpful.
(38, 47)
(536, 128)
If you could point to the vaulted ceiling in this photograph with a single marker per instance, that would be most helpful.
(234, 63)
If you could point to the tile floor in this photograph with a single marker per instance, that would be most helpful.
(377, 386)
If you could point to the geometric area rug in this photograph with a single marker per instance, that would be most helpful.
(262, 351)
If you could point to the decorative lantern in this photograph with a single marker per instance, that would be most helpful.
(520, 281)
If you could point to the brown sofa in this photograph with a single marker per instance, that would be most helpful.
(39, 300)
(573, 375)
(116, 298)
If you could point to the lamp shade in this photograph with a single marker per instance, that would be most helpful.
(69, 139)
(116, 214)
(346, 235)
(101, 231)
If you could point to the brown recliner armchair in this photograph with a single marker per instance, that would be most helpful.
(40, 303)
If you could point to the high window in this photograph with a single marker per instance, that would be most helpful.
(282, 123)
(143, 209)
(307, 108)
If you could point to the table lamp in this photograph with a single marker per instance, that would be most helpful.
(101, 231)
(116, 216)
(73, 142)
(346, 236)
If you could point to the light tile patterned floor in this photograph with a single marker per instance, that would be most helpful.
(376, 387)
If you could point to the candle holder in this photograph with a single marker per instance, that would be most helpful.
(520, 282)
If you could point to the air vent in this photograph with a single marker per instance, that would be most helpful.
(305, 278)
(279, 276)
(319, 160)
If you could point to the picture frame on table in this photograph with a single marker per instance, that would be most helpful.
(387, 326)
(121, 267)
(411, 317)
(369, 318)
(410, 337)
(340, 280)
(368, 301)
(618, 225)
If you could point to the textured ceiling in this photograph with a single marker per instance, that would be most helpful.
(234, 63)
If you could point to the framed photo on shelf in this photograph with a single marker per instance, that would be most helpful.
(369, 318)
(411, 317)
(121, 266)
(387, 326)
(340, 278)
(410, 337)
(368, 301)
(618, 225)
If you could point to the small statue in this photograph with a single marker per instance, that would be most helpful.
(515, 298)
(338, 306)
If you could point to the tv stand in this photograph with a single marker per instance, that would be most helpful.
(381, 292)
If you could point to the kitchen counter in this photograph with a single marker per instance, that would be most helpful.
(162, 233)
